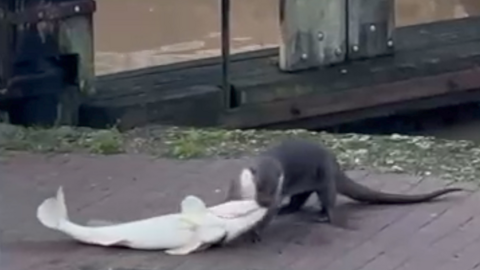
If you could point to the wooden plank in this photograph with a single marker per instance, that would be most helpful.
(370, 28)
(349, 117)
(313, 33)
(362, 97)
(404, 65)
(437, 34)
(195, 106)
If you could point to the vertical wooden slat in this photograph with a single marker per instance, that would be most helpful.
(5, 39)
(370, 28)
(225, 30)
(75, 37)
(313, 33)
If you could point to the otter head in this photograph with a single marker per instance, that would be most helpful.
(267, 177)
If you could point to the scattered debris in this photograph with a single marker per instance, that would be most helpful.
(451, 160)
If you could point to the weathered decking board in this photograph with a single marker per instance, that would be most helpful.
(439, 235)
(189, 93)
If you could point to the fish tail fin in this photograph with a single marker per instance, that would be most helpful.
(53, 211)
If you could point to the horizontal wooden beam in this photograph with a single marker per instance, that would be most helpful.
(386, 110)
(320, 103)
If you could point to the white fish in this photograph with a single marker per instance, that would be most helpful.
(238, 216)
(195, 228)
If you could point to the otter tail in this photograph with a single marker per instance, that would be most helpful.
(355, 191)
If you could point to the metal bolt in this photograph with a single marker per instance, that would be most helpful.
(304, 56)
(320, 36)
(390, 43)
(373, 28)
(338, 51)
(343, 71)
(40, 15)
(77, 9)
(355, 48)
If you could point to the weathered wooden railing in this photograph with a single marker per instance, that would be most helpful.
(339, 60)
(46, 59)
(322, 37)
(325, 32)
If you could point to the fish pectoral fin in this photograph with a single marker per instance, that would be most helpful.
(100, 223)
(203, 237)
(190, 247)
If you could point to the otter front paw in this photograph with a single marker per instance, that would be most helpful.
(324, 216)
(255, 237)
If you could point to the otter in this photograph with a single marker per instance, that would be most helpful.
(296, 168)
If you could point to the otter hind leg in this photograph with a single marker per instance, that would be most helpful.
(296, 202)
(327, 196)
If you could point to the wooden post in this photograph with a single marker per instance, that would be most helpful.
(313, 33)
(4, 45)
(75, 39)
(225, 30)
(50, 65)
(370, 28)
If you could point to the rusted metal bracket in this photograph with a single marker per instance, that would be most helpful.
(371, 24)
(313, 34)
(49, 12)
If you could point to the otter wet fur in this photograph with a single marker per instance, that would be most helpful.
(297, 168)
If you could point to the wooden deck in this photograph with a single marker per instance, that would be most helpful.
(442, 235)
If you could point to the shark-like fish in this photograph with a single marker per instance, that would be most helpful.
(193, 229)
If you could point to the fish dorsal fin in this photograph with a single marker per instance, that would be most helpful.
(193, 209)
(193, 204)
